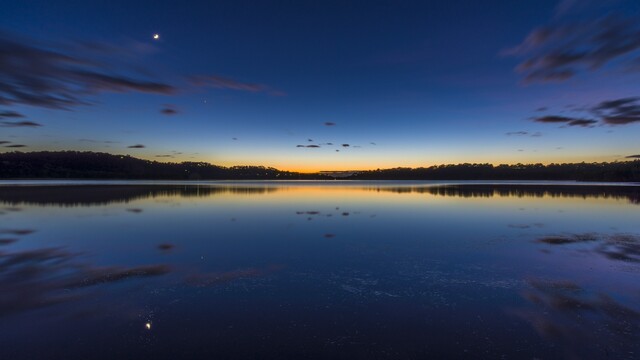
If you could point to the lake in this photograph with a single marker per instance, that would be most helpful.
(305, 270)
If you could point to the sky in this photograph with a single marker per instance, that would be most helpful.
(323, 85)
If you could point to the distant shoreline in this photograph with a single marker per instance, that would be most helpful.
(67, 165)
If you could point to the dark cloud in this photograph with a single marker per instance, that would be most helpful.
(19, 124)
(164, 156)
(62, 77)
(345, 145)
(619, 112)
(553, 119)
(220, 82)
(16, 146)
(569, 121)
(562, 49)
(543, 108)
(137, 146)
(517, 133)
(169, 110)
(2, 142)
(308, 146)
(165, 247)
(582, 122)
(329, 123)
(10, 114)
(633, 157)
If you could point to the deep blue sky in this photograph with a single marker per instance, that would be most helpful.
(404, 83)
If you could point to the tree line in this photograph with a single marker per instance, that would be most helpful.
(95, 165)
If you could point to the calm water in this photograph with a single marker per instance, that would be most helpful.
(319, 270)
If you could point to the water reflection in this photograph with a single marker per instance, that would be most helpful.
(89, 195)
(43, 277)
(622, 247)
(585, 324)
(631, 193)
(312, 271)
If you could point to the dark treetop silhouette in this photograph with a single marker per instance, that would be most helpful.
(91, 165)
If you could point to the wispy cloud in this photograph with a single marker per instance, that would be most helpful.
(62, 77)
(329, 123)
(137, 146)
(10, 114)
(99, 141)
(619, 112)
(623, 111)
(633, 156)
(220, 82)
(524, 133)
(517, 133)
(19, 124)
(563, 48)
(568, 121)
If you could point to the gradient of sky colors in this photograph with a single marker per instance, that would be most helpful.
(403, 83)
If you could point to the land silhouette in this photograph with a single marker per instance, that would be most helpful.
(96, 165)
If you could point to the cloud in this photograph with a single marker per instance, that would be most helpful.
(524, 133)
(99, 141)
(582, 122)
(562, 49)
(308, 146)
(329, 123)
(169, 110)
(345, 145)
(137, 146)
(2, 142)
(633, 157)
(10, 114)
(517, 133)
(542, 108)
(569, 121)
(62, 77)
(619, 112)
(164, 156)
(19, 124)
(16, 146)
(220, 82)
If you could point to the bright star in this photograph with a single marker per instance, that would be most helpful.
(148, 326)
(156, 36)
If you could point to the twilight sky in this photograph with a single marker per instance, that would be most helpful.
(323, 85)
